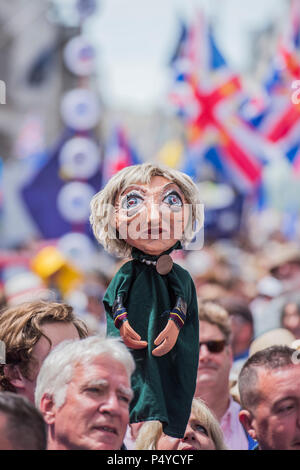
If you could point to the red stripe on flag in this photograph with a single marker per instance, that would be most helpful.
(209, 101)
(285, 123)
(228, 88)
(291, 62)
(246, 164)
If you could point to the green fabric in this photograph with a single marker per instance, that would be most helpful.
(163, 386)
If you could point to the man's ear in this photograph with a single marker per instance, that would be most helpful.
(248, 422)
(14, 375)
(47, 408)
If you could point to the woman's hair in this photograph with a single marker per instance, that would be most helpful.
(21, 328)
(151, 431)
(58, 368)
(103, 211)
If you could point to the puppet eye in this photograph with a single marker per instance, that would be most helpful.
(173, 199)
(131, 201)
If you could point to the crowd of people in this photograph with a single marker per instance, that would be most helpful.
(63, 388)
(64, 385)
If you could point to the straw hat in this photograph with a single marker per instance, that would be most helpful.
(278, 336)
(25, 286)
(284, 253)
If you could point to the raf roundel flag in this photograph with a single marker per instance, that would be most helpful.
(56, 205)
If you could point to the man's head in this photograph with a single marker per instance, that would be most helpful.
(290, 318)
(21, 425)
(29, 331)
(269, 386)
(83, 391)
(241, 324)
(215, 355)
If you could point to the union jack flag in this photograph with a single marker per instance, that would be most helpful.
(274, 114)
(206, 93)
(119, 154)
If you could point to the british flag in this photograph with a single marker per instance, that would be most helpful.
(277, 117)
(206, 94)
(119, 154)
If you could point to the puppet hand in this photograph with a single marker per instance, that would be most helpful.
(130, 337)
(166, 339)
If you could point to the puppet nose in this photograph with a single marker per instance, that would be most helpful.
(153, 215)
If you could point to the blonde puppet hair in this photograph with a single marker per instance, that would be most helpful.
(102, 204)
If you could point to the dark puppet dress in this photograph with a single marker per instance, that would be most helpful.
(163, 386)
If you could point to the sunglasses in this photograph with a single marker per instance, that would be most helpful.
(214, 346)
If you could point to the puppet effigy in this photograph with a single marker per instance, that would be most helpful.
(145, 212)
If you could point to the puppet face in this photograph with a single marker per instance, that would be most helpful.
(152, 217)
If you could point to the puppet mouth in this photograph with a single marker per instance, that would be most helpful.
(155, 231)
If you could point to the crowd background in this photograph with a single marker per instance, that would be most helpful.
(233, 130)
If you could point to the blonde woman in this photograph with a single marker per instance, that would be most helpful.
(203, 432)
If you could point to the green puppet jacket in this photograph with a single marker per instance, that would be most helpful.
(163, 386)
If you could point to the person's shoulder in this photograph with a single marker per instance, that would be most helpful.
(234, 410)
(234, 404)
(125, 267)
(121, 275)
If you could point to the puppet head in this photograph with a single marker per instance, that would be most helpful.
(148, 207)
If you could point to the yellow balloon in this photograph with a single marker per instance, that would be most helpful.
(170, 154)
